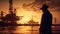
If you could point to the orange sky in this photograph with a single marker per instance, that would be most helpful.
(30, 9)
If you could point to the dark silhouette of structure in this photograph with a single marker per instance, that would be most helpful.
(11, 18)
(46, 22)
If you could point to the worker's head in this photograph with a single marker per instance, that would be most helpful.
(44, 7)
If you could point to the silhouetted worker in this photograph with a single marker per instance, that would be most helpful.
(46, 22)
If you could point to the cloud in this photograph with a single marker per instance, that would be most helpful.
(38, 3)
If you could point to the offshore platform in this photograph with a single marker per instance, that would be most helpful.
(11, 18)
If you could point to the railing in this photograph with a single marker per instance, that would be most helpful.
(30, 25)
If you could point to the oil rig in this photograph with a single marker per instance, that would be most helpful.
(11, 18)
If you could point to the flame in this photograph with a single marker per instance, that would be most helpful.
(27, 16)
